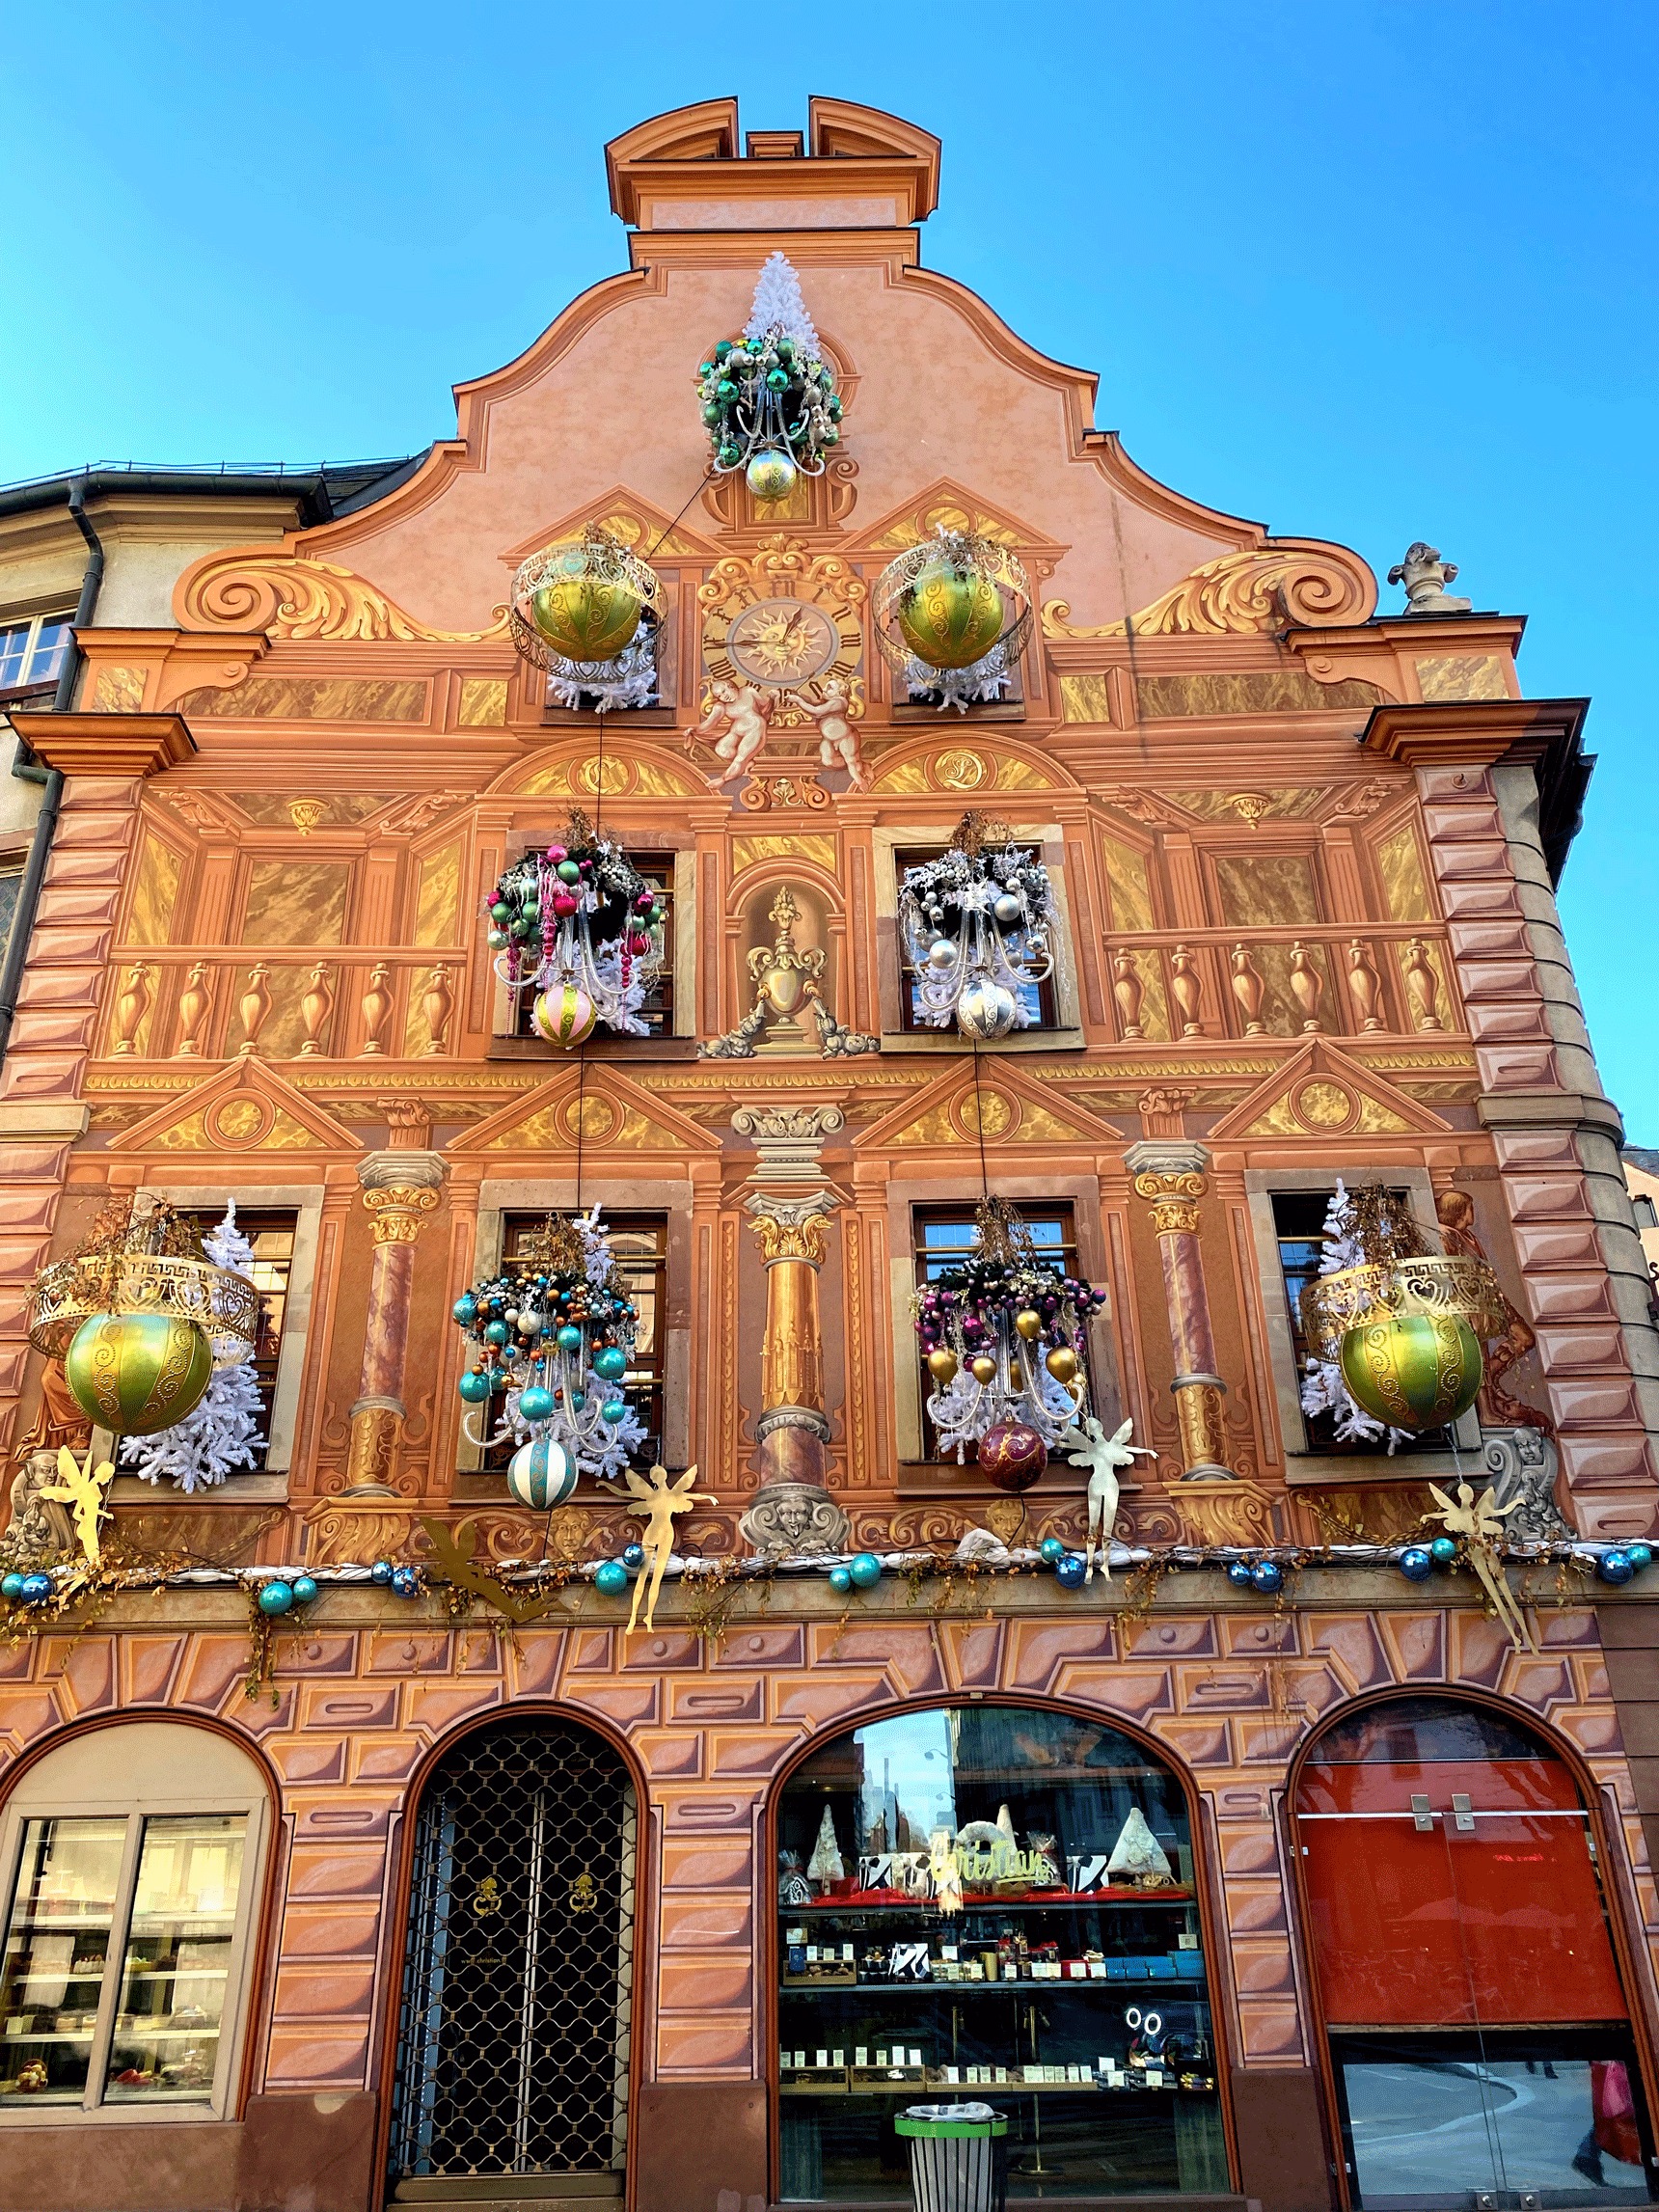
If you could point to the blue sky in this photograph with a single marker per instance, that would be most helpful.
(1362, 272)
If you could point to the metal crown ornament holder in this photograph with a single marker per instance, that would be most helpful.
(579, 925)
(769, 399)
(1006, 1341)
(587, 610)
(976, 925)
(1405, 1327)
(952, 615)
(555, 1332)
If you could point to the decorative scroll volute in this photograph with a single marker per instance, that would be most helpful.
(1263, 588)
(288, 596)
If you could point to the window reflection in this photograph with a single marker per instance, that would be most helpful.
(57, 1945)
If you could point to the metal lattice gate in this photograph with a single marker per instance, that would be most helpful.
(513, 2034)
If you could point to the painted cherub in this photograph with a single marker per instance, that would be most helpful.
(81, 1487)
(663, 1501)
(1480, 1523)
(838, 735)
(735, 725)
(1104, 1456)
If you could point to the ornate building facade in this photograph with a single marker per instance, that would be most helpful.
(471, 1892)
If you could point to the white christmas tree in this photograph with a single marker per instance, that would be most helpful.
(221, 1431)
(825, 1865)
(1323, 1391)
(779, 307)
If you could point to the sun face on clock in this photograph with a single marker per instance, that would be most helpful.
(782, 642)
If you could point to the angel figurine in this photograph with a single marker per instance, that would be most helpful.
(82, 1489)
(1104, 1456)
(663, 1501)
(735, 725)
(837, 736)
(1480, 1523)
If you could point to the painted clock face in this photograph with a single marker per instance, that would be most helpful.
(782, 642)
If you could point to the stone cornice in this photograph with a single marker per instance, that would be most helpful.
(124, 745)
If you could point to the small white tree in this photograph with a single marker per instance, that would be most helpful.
(779, 307)
(1323, 1391)
(221, 1429)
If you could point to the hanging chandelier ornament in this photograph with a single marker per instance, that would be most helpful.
(977, 926)
(769, 398)
(952, 615)
(579, 926)
(1395, 1328)
(585, 609)
(555, 1332)
(1005, 1338)
(141, 1318)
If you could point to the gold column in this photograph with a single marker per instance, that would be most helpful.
(794, 1236)
(400, 1187)
(1169, 1174)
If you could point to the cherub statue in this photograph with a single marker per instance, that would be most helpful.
(838, 735)
(663, 1501)
(1480, 1523)
(1104, 1456)
(735, 725)
(39, 1528)
(81, 1487)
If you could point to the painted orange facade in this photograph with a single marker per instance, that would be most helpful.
(1305, 854)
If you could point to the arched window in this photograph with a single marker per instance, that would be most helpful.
(131, 1860)
(1480, 2040)
(995, 1903)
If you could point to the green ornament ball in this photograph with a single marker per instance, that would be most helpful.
(134, 1373)
(1413, 1371)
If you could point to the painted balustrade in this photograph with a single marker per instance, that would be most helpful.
(1298, 980)
(276, 1004)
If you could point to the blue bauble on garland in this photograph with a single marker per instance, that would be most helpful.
(537, 1403)
(405, 1582)
(1443, 1550)
(865, 1570)
(1238, 1573)
(473, 1386)
(1053, 1551)
(610, 1363)
(840, 1579)
(36, 1590)
(381, 1572)
(634, 1558)
(1416, 1564)
(1640, 1555)
(612, 1579)
(1615, 1566)
(11, 1586)
(1072, 1571)
(303, 1589)
(1267, 1575)
(276, 1597)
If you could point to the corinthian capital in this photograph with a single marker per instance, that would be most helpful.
(399, 1189)
(792, 1228)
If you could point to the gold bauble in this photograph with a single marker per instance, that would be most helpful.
(984, 1368)
(1028, 1324)
(135, 1373)
(771, 475)
(580, 615)
(948, 620)
(943, 1366)
(1062, 1363)
(1414, 1371)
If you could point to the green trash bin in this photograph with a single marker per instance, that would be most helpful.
(959, 2157)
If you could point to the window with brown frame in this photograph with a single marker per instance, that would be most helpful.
(640, 1242)
(1037, 997)
(658, 1011)
(944, 1237)
(271, 1233)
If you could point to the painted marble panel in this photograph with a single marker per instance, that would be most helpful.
(296, 902)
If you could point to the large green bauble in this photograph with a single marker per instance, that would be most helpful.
(134, 1373)
(583, 617)
(947, 620)
(1416, 1370)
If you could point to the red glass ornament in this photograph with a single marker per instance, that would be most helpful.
(1012, 1456)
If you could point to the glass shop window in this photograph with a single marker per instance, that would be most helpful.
(993, 1902)
(1037, 997)
(33, 650)
(120, 1943)
(271, 1233)
(658, 870)
(640, 1242)
(1479, 2036)
(945, 1236)
(1298, 1224)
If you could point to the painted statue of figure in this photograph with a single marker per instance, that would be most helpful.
(735, 725)
(663, 1501)
(38, 1529)
(838, 735)
(1104, 1456)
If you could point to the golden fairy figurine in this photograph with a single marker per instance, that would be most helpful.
(663, 1501)
(82, 1489)
(1481, 1524)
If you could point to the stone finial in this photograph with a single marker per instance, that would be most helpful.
(1426, 576)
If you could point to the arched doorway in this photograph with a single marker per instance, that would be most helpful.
(996, 1902)
(516, 2006)
(1477, 2032)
